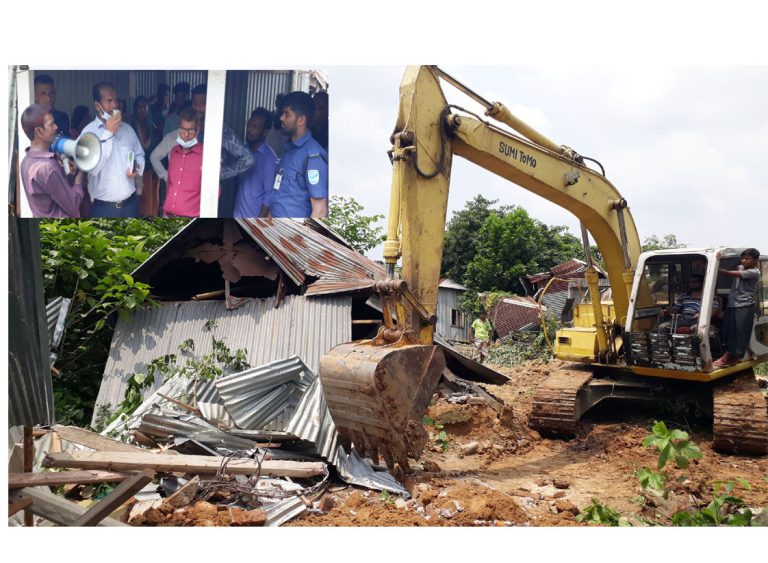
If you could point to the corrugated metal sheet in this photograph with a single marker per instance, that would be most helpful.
(74, 87)
(301, 252)
(56, 313)
(30, 386)
(249, 89)
(447, 301)
(299, 326)
(354, 470)
(312, 421)
(284, 511)
(257, 396)
(511, 314)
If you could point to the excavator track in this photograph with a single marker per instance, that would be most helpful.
(556, 405)
(740, 417)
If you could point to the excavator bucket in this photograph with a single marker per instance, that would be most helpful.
(378, 395)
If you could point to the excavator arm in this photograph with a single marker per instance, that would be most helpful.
(378, 390)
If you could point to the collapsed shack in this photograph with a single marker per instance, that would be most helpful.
(254, 446)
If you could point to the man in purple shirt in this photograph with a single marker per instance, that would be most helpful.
(256, 184)
(48, 191)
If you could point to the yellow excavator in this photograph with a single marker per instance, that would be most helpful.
(378, 390)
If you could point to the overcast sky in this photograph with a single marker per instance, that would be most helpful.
(685, 145)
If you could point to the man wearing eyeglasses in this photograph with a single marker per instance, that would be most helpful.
(185, 169)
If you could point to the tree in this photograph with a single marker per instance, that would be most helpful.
(91, 263)
(361, 231)
(655, 243)
(462, 236)
(514, 244)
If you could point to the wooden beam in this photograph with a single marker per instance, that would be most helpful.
(56, 478)
(29, 460)
(118, 496)
(20, 504)
(16, 459)
(93, 440)
(123, 461)
(55, 508)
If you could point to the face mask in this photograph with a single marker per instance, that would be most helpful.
(107, 116)
(186, 144)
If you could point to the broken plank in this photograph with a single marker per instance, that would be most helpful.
(56, 478)
(16, 459)
(20, 504)
(136, 461)
(118, 496)
(92, 440)
(55, 508)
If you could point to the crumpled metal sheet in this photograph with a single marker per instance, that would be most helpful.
(256, 396)
(190, 426)
(355, 470)
(285, 510)
(56, 314)
(312, 422)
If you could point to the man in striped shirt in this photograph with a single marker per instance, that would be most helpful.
(687, 307)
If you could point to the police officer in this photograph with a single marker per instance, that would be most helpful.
(301, 182)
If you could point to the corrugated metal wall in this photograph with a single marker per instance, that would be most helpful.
(249, 89)
(74, 87)
(447, 300)
(30, 392)
(306, 327)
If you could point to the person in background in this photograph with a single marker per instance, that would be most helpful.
(275, 136)
(111, 183)
(141, 122)
(185, 169)
(145, 186)
(235, 156)
(180, 99)
(45, 94)
(158, 111)
(48, 190)
(740, 312)
(81, 116)
(480, 333)
(687, 307)
(320, 118)
(301, 182)
(256, 184)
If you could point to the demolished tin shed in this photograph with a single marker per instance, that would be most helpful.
(275, 288)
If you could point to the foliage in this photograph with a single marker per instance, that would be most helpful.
(386, 498)
(361, 231)
(514, 244)
(725, 509)
(221, 361)
(524, 347)
(653, 242)
(598, 513)
(674, 444)
(462, 236)
(91, 262)
(441, 438)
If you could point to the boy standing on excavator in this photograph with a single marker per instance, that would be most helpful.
(739, 315)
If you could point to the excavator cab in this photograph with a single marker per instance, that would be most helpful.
(676, 312)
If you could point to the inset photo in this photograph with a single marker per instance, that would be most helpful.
(131, 143)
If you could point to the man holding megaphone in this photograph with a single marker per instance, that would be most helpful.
(111, 182)
(48, 190)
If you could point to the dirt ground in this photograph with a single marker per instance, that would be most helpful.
(490, 469)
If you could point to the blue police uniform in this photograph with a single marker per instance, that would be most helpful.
(302, 174)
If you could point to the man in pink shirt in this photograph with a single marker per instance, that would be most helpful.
(185, 169)
(48, 189)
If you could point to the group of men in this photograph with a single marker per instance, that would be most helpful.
(254, 181)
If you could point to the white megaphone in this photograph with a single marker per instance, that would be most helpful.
(86, 151)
